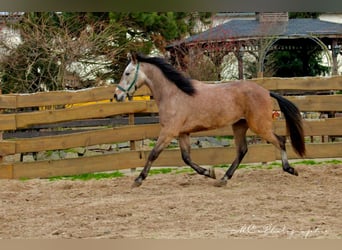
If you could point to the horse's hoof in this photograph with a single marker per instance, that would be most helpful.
(211, 173)
(295, 172)
(292, 171)
(137, 183)
(221, 183)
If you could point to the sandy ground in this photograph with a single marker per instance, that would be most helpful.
(257, 203)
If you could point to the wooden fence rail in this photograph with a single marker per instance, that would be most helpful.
(15, 117)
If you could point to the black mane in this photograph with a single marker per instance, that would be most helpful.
(170, 73)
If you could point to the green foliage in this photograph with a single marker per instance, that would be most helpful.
(306, 162)
(90, 176)
(157, 28)
(296, 63)
(313, 162)
(333, 161)
(293, 15)
(161, 171)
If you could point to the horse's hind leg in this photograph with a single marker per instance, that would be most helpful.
(284, 160)
(239, 129)
(265, 131)
(184, 143)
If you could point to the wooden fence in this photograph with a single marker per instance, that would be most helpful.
(20, 112)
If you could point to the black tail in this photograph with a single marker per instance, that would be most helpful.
(294, 123)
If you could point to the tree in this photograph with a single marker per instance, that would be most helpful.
(54, 44)
(91, 45)
(157, 29)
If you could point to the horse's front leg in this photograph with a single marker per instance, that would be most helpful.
(163, 141)
(184, 143)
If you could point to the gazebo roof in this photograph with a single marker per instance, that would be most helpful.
(235, 30)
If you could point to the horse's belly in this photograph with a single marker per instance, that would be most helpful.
(210, 121)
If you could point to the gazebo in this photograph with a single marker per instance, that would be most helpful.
(267, 33)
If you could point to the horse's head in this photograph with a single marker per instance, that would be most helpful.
(132, 78)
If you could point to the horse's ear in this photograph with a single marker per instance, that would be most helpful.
(132, 56)
(129, 56)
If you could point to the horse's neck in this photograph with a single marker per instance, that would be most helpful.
(159, 85)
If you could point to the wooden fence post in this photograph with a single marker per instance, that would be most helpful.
(132, 142)
(131, 122)
(1, 132)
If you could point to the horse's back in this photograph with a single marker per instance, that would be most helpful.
(237, 91)
(244, 98)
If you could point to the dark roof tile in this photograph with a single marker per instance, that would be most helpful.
(244, 29)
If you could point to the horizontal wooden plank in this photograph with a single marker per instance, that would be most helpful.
(6, 172)
(316, 150)
(7, 147)
(40, 99)
(315, 103)
(330, 126)
(8, 102)
(78, 113)
(297, 83)
(135, 159)
(310, 103)
(7, 122)
(64, 97)
(323, 150)
(111, 135)
(143, 91)
(301, 83)
(43, 169)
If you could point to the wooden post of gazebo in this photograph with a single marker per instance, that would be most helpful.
(335, 50)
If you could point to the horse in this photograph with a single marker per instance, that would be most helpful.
(188, 105)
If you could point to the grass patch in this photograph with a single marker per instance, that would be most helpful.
(278, 164)
(184, 170)
(90, 176)
(24, 179)
(221, 166)
(307, 162)
(333, 161)
(313, 162)
(160, 171)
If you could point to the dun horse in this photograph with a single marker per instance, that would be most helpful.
(187, 106)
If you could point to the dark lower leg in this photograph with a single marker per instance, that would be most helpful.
(230, 172)
(241, 153)
(284, 160)
(163, 140)
(197, 168)
(143, 174)
(184, 142)
(239, 129)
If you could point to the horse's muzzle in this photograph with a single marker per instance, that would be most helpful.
(119, 98)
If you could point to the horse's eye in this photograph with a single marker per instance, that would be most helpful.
(127, 73)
